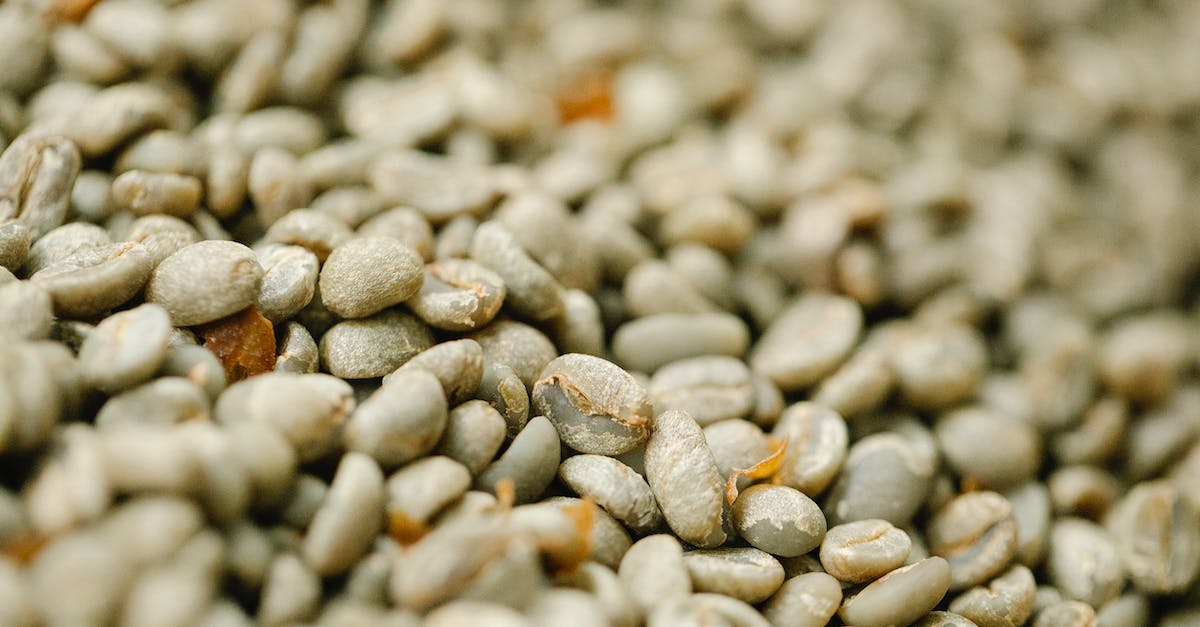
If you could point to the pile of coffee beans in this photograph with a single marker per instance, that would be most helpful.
(582, 312)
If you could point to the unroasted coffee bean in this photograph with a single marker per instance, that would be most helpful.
(62, 242)
(1082, 491)
(653, 287)
(1032, 511)
(206, 281)
(1140, 357)
(615, 487)
(747, 574)
(937, 367)
(710, 389)
(1007, 599)
(458, 366)
(458, 295)
(36, 175)
(309, 409)
(1155, 531)
(401, 421)
(317, 231)
(15, 240)
(899, 597)
(95, 280)
(161, 235)
(530, 289)
(372, 347)
(289, 281)
(886, 475)
(779, 520)
(503, 390)
(645, 344)
(438, 188)
(808, 600)
(861, 384)
(596, 407)
(1125, 610)
(474, 433)
(977, 535)
(163, 401)
(368, 274)
(944, 619)
(1097, 437)
(1066, 614)
(992, 450)
(816, 447)
(417, 492)
(653, 571)
(145, 193)
(864, 550)
(607, 540)
(1074, 543)
(530, 462)
(683, 475)
(25, 311)
(808, 340)
(290, 592)
(404, 224)
(737, 444)
(579, 329)
(297, 351)
(350, 517)
(126, 348)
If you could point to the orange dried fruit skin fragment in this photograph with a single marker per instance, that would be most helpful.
(583, 516)
(404, 529)
(761, 470)
(71, 10)
(244, 342)
(589, 97)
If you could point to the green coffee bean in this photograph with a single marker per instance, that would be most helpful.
(423, 488)
(1032, 510)
(156, 192)
(501, 388)
(864, 550)
(309, 410)
(519, 346)
(289, 281)
(653, 571)
(374, 346)
(596, 407)
(474, 433)
(401, 421)
(1066, 614)
(1007, 599)
(458, 295)
(1154, 529)
(886, 475)
(350, 517)
(615, 487)
(1074, 542)
(163, 401)
(977, 534)
(747, 574)
(530, 289)
(25, 311)
(645, 344)
(993, 450)
(126, 348)
(825, 326)
(817, 440)
(206, 281)
(297, 351)
(899, 597)
(711, 389)
(937, 367)
(95, 280)
(530, 461)
(683, 476)
(367, 274)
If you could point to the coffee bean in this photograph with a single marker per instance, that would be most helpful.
(519, 346)
(501, 388)
(977, 534)
(290, 591)
(62, 242)
(401, 421)
(1032, 510)
(1007, 599)
(530, 289)
(26, 311)
(1155, 531)
(126, 348)
(1074, 542)
(530, 461)
(368, 274)
(736, 444)
(423, 488)
(864, 550)
(778, 519)
(860, 385)
(615, 487)
(993, 450)
(711, 389)
(438, 188)
(206, 281)
(746, 574)
(827, 327)
(596, 407)
(817, 440)
(1066, 614)
(373, 347)
(937, 367)
(653, 571)
(899, 597)
(163, 401)
(289, 281)
(308, 409)
(646, 344)
(458, 295)
(145, 193)
(886, 475)
(808, 600)
(36, 176)
(579, 329)
(350, 517)
(95, 280)
(683, 475)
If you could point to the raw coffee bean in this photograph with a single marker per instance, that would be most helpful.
(268, 457)
(1082, 491)
(531, 291)
(458, 295)
(308, 409)
(95, 280)
(373, 347)
(1157, 534)
(615, 487)
(768, 402)
(1140, 357)
(290, 592)
(646, 344)
(163, 401)
(1083, 562)
(146, 193)
(15, 240)
(1096, 438)
(990, 449)
(579, 329)
(442, 563)
(683, 475)
(886, 476)
(501, 388)
(84, 553)
(439, 188)
(289, 281)
(458, 366)
(126, 348)
(465, 612)
(1006, 601)
(368, 274)
(860, 385)
(317, 231)
(746, 574)
(779, 520)
(543, 226)
(474, 434)
(899, 597)
(808, 600)
(653, 287)
(273, 182)
(1127, 610)
(225, 487)
(148, 458)
(710, 389)
(62, 242)
(607, 540)
(206, 281)
(404, 224)
(425, 487)
(530, 461)
(653, 571)
(161, 235)
(977, 534)
(808, 340)
(560, 606)
(817, 439)
(1160, 436)
(937, 367)
(603, 584)
(36, 176)
(401, 421)
(298, 352)
(26, 311)
(519, 346)
(596, 407)
(737, 444)
(1032, 510)
(864, 550)
(340, 162)
(1066, 614)
(349, 519)
(306, 496)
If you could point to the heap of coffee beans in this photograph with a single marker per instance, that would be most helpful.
(576, 312)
